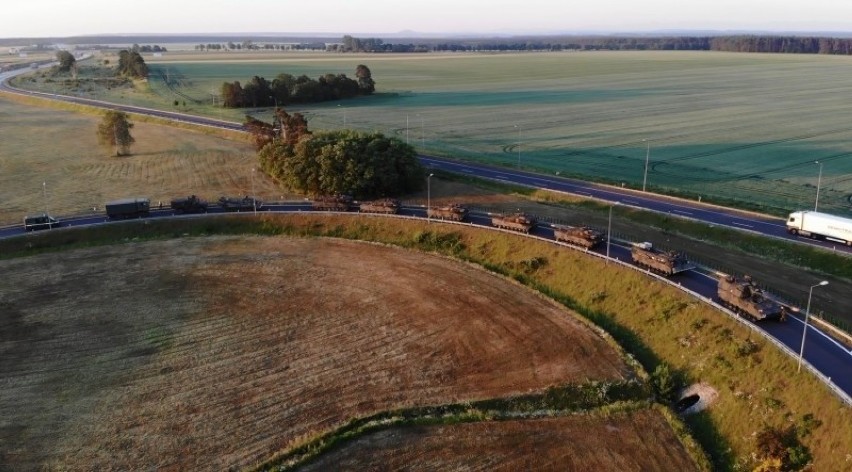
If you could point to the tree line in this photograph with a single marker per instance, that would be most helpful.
(285, 89)
(739, 43)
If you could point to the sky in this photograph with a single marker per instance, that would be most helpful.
(60, 18)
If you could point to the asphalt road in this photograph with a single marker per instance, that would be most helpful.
(827, 356)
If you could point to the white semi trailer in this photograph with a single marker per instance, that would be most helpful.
(820, 225)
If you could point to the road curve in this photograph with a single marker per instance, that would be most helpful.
(828, 358)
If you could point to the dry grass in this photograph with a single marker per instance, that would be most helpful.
(60, 149)
(573, 443)
(213, 353)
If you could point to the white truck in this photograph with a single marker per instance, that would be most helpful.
(821, 226)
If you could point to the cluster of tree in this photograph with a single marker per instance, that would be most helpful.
(771, 44)
(266, 46)
(131, 65)
(114, 132)
(67, 61)
(781, 449)
(365, 165)
(285, 89)
(147, 48)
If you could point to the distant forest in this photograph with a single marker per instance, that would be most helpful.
(743, 43)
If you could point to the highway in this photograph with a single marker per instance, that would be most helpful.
(828, 357)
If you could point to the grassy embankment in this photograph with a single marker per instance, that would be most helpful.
(757, 384)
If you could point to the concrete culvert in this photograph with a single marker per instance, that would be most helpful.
(695, 398)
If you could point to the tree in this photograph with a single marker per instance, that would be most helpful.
(366, 165)
(131, 64)
(365, 79)
(114, 132)
(66, 61)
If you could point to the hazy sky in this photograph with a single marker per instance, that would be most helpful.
(37, 18)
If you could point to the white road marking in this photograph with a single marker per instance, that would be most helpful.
(682, 212)
(742, 224)
(819, 331)
(632, 202)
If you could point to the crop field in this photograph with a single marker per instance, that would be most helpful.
(722, 126)
(51, 159)
(573, 443)
(213, 353)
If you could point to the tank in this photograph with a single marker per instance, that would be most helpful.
(453, 212)
(582, 236)
(190, 204)
(664, 262)
(744, 297)
(246, 203)
(337, 202)
(515, 222)
(386, 205)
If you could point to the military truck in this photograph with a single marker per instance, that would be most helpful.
(453, 212)
(663, 262)
(582, 236)
(515, 222)
(386, 205)
(246, 203)
(128, 208)
(44, 221)
(190, 204)
(336, 202)
(744, 297)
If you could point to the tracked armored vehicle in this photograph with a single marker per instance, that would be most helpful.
(454, 212)
(332, 203)
(190, 204)
(246, 203)
(663, 262)
(582, 236)
(744, 297)
(515, 222)
(387, 206)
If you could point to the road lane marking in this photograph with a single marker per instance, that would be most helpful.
(632, 202)
(682, 212)
(742, 224)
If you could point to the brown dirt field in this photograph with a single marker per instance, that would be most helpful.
(573, 443)
(216, 353)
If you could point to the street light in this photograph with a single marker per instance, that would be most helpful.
(422, 139)
(344, 114)
(807, 316)
(609, 231)
(647, 157)
(253, 196)
(428, 194)
(406, 129)
(519, 145)
(819, 181)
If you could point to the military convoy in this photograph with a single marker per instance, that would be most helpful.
(582, 236)
(516, 222)
(190, 204)
(246, 203)
(452, 212)
(338, 202)
(387, 206)
(663, 262)
(744, 297)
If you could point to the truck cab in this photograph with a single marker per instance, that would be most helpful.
(44, 221)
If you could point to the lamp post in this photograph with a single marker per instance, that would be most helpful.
(428, 195)
(807, 316)
(609, 231)
(44, 192)
(344, 114)
(819, 181)
(253, 196)
(647, 157)
(519, 145)
(406, 129)
(422, 139)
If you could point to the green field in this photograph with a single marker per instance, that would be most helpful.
(722, 126)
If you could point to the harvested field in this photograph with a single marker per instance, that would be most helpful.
(573, 443)
(216, 353)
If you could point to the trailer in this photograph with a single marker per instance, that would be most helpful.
(128, 208)
(44, 221)
(817, 225)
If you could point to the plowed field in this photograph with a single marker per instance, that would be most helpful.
(216, 353)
